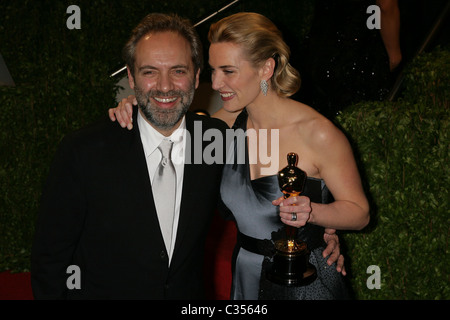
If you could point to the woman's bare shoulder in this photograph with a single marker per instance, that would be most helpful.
(315, 127)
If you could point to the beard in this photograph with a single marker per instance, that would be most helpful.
(164, 119)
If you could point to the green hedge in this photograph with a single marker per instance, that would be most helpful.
(403, 149)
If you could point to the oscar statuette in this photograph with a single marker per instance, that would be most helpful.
(291, 265)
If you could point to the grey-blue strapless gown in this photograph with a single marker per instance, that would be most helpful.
(250, 202)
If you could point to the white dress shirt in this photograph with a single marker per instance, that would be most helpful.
(151, 139)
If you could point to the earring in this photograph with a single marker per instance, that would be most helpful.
(264, 87)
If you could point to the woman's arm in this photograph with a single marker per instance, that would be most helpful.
(336, 165)
(123, 113)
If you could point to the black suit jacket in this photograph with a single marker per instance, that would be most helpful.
(98, 213)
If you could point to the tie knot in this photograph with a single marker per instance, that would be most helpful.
(165, 147)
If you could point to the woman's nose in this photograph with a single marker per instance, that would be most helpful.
(217, 82)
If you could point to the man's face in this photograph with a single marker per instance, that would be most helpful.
(164, 79)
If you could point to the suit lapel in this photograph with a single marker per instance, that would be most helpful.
(190, 181)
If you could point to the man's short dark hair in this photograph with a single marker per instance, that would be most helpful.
(159, 22)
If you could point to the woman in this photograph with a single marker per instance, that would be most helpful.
(250, 70)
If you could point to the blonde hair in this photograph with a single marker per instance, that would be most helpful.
(260, 40)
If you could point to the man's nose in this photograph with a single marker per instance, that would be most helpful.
(165, 83)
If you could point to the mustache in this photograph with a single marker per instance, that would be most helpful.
(172, 93)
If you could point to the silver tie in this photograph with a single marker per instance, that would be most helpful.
(164, 191)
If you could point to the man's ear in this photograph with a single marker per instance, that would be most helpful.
(130, 78)
(197, 79)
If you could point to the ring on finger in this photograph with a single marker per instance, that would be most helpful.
(294, 217)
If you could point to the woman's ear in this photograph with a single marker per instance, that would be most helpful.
(268, 69)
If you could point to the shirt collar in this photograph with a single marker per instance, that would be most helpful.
(151, 138)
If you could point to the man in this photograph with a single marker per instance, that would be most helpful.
(100, 216)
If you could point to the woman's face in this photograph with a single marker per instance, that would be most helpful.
(233, 76)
